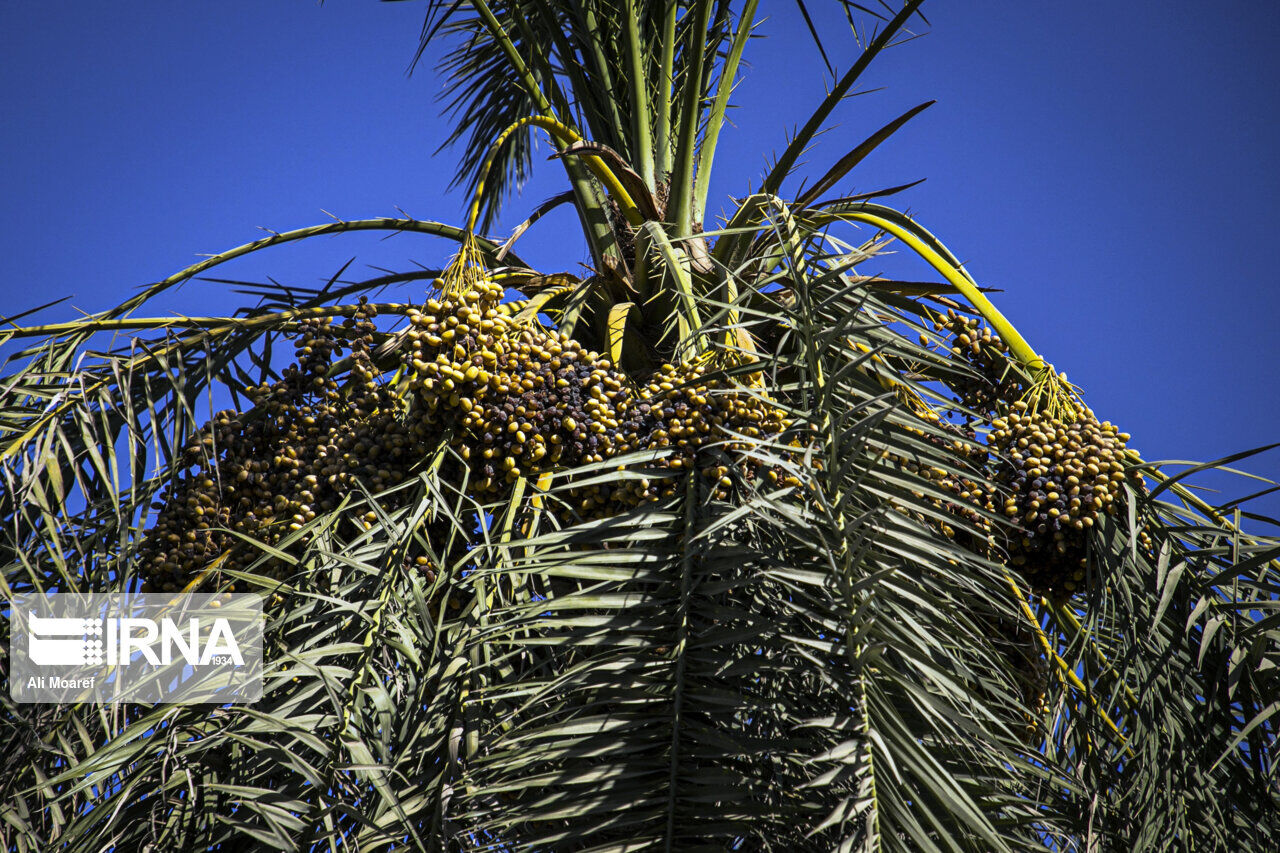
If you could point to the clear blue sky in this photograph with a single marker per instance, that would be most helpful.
(1109, 165)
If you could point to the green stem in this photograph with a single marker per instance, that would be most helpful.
(691, 108)
(641, 132)
(606, 84)
(715, 117)
(666, 81)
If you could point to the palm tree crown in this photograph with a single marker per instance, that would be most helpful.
(722, 545)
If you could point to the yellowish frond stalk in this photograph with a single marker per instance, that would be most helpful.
(568, 136)
(1064, 669)
(961, 282)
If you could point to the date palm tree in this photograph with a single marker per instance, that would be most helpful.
(723, 545)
